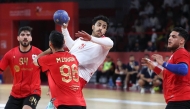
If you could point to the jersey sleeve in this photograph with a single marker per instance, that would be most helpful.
(69, 42)
(39, 51)
(5, 61)
(106, 42)
(181, 56)
(43, 63)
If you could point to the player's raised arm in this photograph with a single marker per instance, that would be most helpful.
(69, 42)
(104, 41)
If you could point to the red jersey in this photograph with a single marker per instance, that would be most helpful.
(26, 75)
(177, 87)
(63, 78)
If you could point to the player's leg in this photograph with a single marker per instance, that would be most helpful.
(31, 102)
(50, 104)
(14, 102)
(178, 105)
(142, 83)
(114, 77)
(122, 81)
(98, 75)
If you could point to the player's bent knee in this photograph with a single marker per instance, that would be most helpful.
(141, 82)
(26, 107)
(157, 83)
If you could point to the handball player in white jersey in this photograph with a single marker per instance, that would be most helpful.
(90, 50)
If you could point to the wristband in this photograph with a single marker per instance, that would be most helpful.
(157, 70)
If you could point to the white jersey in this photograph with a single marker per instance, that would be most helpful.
(90, 54)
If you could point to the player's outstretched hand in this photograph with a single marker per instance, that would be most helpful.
(147, 62)
(158, 58)
(83, 35)
(65, 25)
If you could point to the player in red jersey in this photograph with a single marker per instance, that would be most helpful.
(26, 89)
(63, 77)
(176, 72)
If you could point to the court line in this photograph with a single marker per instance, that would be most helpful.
(2, 105)
(124, 101)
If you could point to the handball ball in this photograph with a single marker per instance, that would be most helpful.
(60, 17)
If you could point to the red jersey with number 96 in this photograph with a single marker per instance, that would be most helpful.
(63, 78)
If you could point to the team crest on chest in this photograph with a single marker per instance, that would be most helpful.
(34, 56)
(82, 46)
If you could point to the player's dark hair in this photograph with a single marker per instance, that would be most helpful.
(56, 39)
(182, 32)
(25, 28)
(100, 17)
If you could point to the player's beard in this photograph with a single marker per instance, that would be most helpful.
(98, 33)
(25, 44)
(174, 47)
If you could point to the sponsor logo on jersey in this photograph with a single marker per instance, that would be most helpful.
(17, 68)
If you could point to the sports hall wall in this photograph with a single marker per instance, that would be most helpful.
(124, 56)
(9, 13)
(14, 12)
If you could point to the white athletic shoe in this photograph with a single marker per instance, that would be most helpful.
(142, 90)
(50, 106)
(152, 90)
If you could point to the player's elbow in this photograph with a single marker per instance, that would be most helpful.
(183, 71)
(109, 44)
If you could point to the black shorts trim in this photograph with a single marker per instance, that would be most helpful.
(178, 105)
(18, 103)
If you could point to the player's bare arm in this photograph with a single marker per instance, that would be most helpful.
(161, 75)
(35, 61)
(104, 41)
(48, 51)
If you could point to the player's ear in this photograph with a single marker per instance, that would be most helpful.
(18, 38)
(182, 41)
(93, 27)
(63, 42)
(50, 44)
